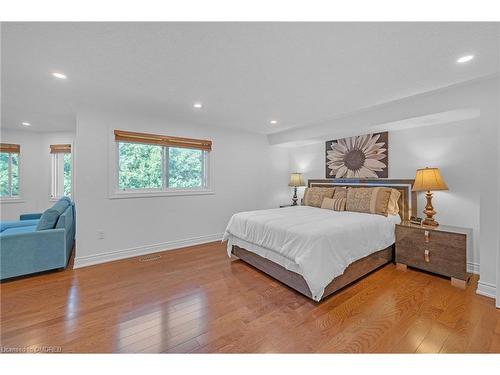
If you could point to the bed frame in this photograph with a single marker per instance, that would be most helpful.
(407, 207)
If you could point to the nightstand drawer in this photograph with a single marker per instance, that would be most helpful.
(439, 252)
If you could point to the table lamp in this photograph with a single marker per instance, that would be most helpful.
(429, 179)
(296, 180)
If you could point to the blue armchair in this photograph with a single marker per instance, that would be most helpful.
(35, 244)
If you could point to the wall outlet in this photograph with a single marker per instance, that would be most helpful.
(100, 235)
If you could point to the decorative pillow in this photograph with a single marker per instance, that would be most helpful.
(393, 207)
(64, 199)
(49, 218)
(314, 196)
(369, 200)
(340, 192)
(335, 204)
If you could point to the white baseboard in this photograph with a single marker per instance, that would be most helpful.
(473, 267)
(110, 256)
(486, 289)
(483, 288)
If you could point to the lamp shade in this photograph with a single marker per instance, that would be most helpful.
(428, 179)
(296, 179)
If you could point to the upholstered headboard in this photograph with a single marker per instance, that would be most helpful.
(407, 201)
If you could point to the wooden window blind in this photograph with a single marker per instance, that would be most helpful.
(8, 147)
(163, 140)
(60, 149)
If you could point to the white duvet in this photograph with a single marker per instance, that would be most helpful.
(320, 242)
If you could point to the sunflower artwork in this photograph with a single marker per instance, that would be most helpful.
(363, 156)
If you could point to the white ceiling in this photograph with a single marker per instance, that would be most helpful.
(244, 73)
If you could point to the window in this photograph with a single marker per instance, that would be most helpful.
(185, 168)
(153, 163)
(9, 170)
(140, 166)
(61, 170)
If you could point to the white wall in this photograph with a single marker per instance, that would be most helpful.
(35, 170)
(489, 186)
(248, 174)
(498, 229)
(454, 148)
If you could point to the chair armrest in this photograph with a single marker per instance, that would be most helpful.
(30, 216)
(25, 253)
(16, 224)
(41, 236)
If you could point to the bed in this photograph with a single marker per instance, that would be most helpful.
(317, 251)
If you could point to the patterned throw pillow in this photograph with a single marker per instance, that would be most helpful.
(314, 196)
(340, 192)
(335, 204)
(393, 207)
(368, 200)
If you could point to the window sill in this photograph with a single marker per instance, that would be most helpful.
(152, 194)
(12, 200)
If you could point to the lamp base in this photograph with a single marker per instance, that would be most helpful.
(430, 222)
(429, 211)
(294, 199)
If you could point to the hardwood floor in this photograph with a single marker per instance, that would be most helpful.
(197, 300)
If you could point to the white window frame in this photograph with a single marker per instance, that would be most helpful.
(57, 176)
(13, 198)
(116, 193)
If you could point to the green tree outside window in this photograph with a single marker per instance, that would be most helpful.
(143, 166)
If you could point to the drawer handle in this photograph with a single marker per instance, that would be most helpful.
(427, 235)
(427, 256)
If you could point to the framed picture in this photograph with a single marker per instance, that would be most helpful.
(361, 156)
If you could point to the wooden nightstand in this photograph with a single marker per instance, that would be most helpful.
(441, 250)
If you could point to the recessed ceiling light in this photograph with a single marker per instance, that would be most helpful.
(59, 75)
(197, 105)
(26, 124)
(273, 122)
(465, 59)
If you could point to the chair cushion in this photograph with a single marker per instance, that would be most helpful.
(17, 230)
(18, 223)
(49, 218)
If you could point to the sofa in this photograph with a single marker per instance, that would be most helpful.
(38, 242)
